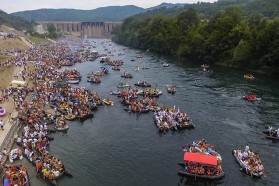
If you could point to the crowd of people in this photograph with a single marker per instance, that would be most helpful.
(171, 118)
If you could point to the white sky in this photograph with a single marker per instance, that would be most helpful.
(21, 5)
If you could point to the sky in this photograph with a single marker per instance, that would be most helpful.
(21, 5)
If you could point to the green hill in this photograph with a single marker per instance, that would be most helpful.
(15, 22)
(110, 13)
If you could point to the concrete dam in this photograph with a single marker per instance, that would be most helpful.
(80, 29)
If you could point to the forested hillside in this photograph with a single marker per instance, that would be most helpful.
(230, 37)
(111, 13)
(15, 22)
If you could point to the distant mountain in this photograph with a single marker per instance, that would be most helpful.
(110, 13)
(168, 5)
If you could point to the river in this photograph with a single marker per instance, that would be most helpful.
(121, 148)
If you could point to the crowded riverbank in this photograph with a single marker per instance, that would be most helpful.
(128, 143)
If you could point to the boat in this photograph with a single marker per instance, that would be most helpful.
(85, 116)
(73, 81)
(205, 66)
(154, 108)
(144, 67)
(171, 89)
(271, 134)
(122, 85)
(33, 160)
(61, 125)
(62, 128)
(127, 75)
(2, 112)
(205, 161)
(275, 138)
(69, 117)
(185, 125)
(165, 65)
(137, 69)
(108, 101)
(142, 84)
(20, 177)
(144, 110)
(244, 167)
(15, 154)
(114, 92)
(97, 80)
(249, 76)
(251, 97)
(116, 68)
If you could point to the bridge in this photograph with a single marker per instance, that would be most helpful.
(80, 29)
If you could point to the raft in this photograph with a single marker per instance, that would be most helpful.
(108, 102)
(249, 76)
(66, 127)
(70, 117)
(243, 168)
(272, 138)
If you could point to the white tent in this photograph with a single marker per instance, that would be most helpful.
(18, 82)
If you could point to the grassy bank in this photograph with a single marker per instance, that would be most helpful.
(4, 58)
(10, 44)
(37, 40)
(6, 75)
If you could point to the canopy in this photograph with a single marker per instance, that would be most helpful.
(200, 158)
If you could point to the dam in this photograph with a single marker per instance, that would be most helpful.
(80, 29)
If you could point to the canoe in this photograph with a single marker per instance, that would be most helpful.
(245, 169)
(145, 110)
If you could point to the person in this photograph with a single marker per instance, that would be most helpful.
(2, 124)
(270, 129)
(247, 148)
(5, 152)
